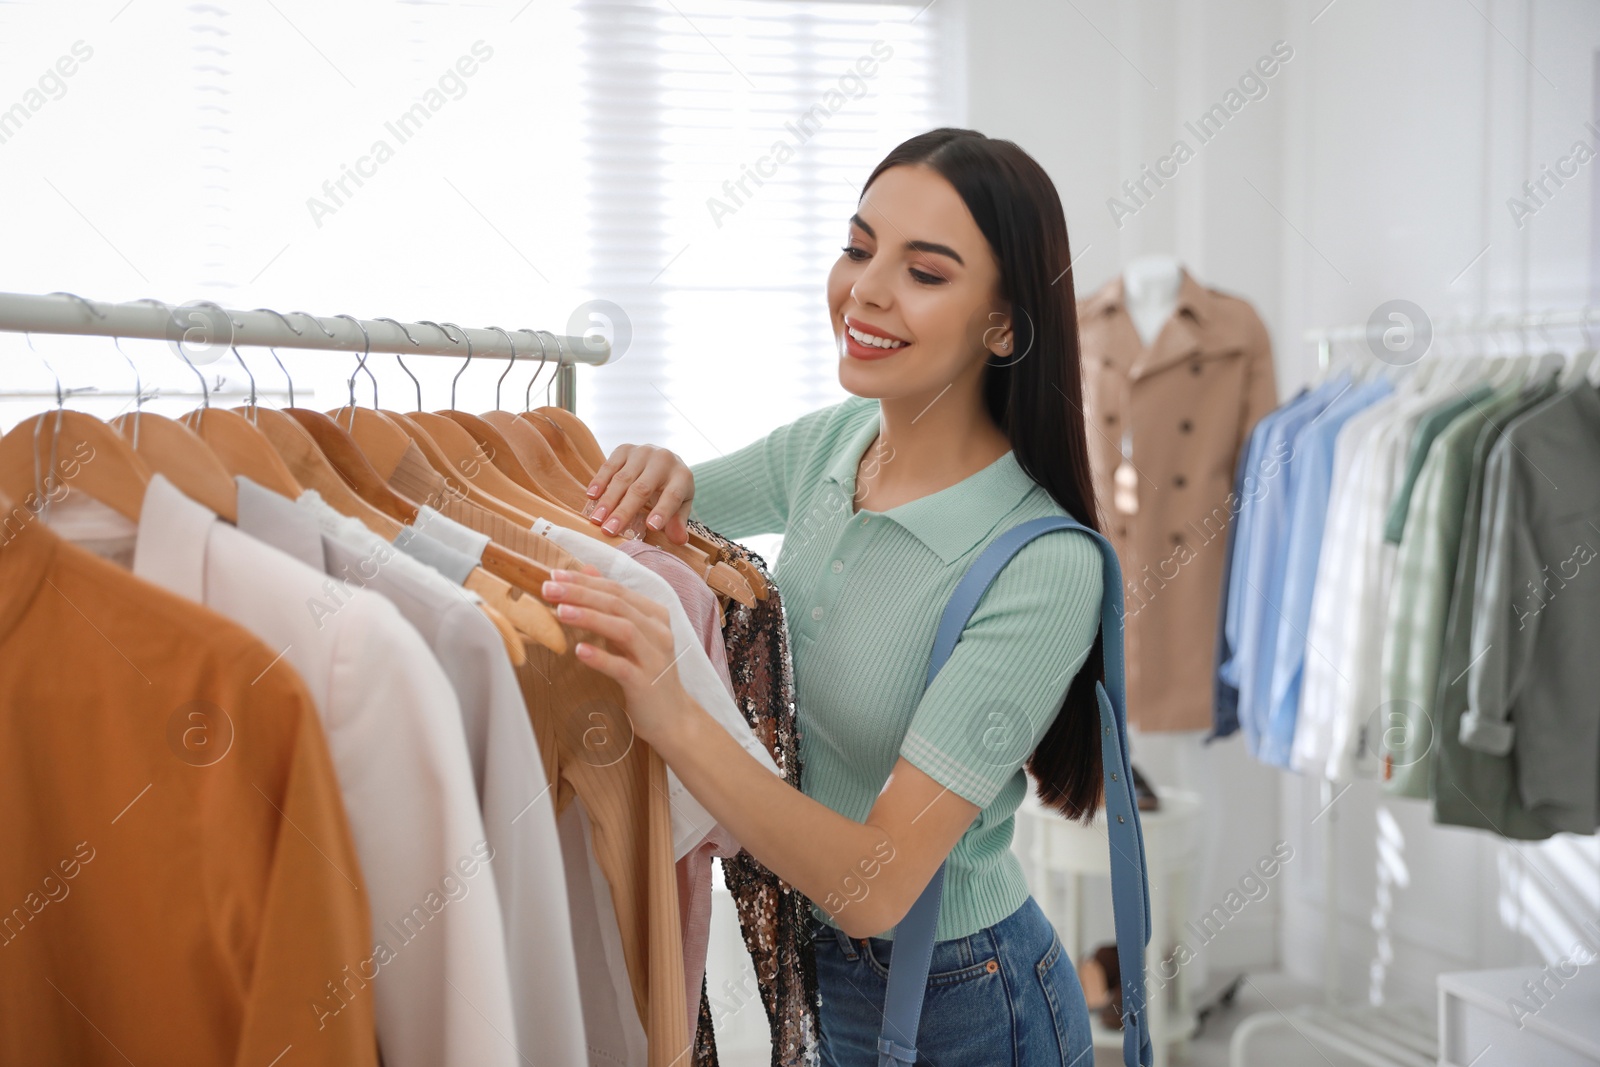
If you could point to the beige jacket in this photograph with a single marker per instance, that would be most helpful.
(1190, 400)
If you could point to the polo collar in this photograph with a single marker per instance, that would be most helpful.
(952, 521)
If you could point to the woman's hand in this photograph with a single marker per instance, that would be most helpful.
(638, 657)
(639, 479)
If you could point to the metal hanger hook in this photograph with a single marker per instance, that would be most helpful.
(325, 331)
(284, 319)
(41, 479)
(544, 356)
(361, 365)
(89, 304)
(509, 365)
(274, 352)
(138, 389)
(414, 344)
(464, 365)
(251, 403)
(561, 361)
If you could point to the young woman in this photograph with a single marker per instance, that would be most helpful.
(953, 309)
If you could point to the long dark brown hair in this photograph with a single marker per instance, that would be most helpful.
(1035, 397)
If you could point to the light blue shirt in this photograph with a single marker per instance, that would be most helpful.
(1264, 555)
(1249, 484)
(1313, 484)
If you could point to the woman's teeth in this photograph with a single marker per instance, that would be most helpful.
(873, 340)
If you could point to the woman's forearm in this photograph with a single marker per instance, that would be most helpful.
(826, 856)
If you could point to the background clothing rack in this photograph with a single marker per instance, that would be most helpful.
(1324, 337)
(200, 324)
(1377, 1035)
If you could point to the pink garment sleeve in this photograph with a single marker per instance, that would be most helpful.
(694, 911)
(694, 869)
(699, 602)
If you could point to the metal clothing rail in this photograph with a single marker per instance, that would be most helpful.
(199, 326)
(1324, 337)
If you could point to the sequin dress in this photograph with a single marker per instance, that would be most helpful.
(773, 916)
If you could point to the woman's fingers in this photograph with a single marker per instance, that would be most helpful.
(642, 492)
(675, 495)
(640, 481)
(619, 481)
(603, 474)
(608, 609)
(619, 669)
(678, 524)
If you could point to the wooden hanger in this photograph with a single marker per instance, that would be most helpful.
(241, 448)
(347, 458)
(579, 444)
(555, 440)
(404, 463)
(184, 458)
(524, 455)
(70, 449)
(466, 454)
(576, 432)
(470, 462)
(395, 442)
(512, 613)
(561, 443)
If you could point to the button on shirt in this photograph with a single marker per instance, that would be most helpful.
(862, 633)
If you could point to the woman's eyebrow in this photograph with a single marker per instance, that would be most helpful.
(917, 246)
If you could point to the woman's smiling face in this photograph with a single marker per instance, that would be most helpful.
(919, 278)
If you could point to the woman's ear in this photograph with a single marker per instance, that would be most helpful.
(991, 327)
(1000, 338)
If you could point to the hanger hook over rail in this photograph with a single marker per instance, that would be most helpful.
(414, 344)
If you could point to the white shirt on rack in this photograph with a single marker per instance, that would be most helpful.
(518, 808)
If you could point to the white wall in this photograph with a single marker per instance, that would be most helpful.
(1377, 166)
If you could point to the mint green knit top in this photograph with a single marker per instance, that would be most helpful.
(862, 595)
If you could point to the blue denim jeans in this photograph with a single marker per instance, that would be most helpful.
(1006, 996)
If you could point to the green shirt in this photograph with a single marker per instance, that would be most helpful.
(1472, 788)
(1419, 599)
(862, 594)
(1432, 425)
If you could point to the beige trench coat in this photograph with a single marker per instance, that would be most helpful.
(1190, 400)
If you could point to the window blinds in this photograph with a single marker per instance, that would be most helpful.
(725, 146)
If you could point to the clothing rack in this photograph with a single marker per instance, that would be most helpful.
(206, 324)
(1324, 337)
(1379, 1036)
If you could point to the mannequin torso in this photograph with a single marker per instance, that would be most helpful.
(1150, 292)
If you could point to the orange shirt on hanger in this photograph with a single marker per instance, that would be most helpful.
(177, 879)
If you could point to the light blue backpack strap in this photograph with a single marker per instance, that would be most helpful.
(1130, 891)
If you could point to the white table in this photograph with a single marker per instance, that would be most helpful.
(1171, 849)
(1558, 1028)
